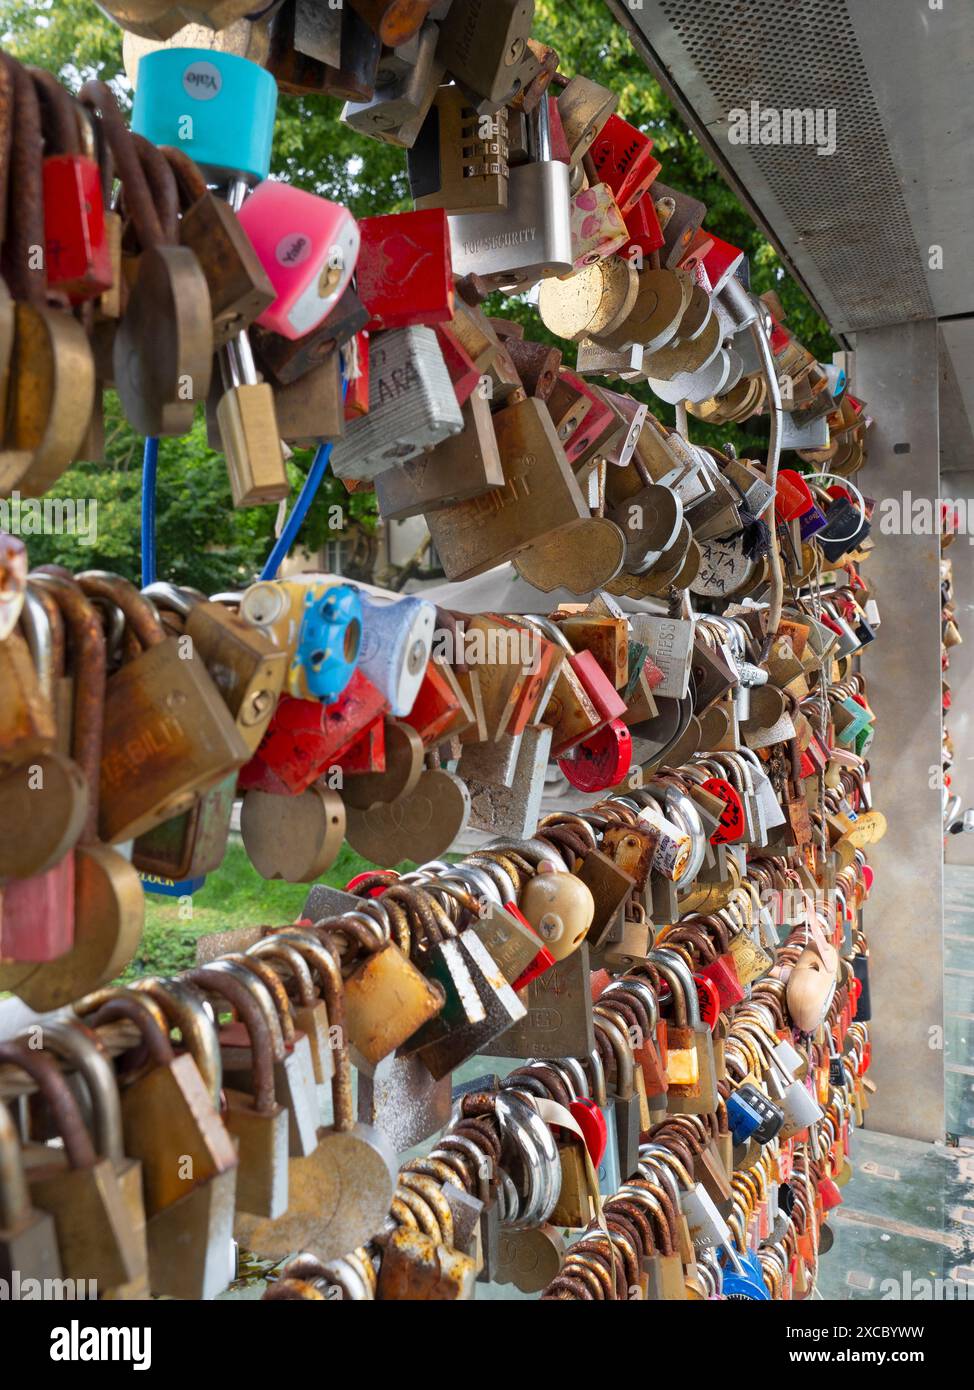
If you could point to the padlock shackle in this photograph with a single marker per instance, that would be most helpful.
(184, 1010)
(90, 667)
(58, 121)
(253, 982)
(80, 1046)
(24, 230)
(138, 611)
(263, 971)
(99, 98)
(65, 1111)
(162, 185)
(245, 1004)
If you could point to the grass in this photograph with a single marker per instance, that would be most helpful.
(234, 896)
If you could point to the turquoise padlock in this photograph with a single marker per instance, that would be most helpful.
(218, 108)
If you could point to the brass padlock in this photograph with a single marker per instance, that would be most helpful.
(168, 733)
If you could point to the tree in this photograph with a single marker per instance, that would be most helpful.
(201, 539)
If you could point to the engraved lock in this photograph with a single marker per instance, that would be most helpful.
(621, 158)
(309, 248)
(412, 406)
(539, 493)
(459, 161)
(406, 84)
(532, 239)
(191, 98)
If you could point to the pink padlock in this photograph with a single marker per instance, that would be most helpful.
(309, 248)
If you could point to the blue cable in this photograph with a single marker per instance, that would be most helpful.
(302, 506)
(150, 468)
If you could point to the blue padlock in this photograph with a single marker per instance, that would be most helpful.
(745, 1277)
(217, 107)
(329, 641)
(742, 1117)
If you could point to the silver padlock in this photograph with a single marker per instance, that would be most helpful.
(412, 405)
(405, 86)
(532, 239)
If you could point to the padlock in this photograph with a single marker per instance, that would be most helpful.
(310, 262)
(464, 466)
(101, 891)
(294, 1080)
(257, 1121)
(28, 1236)
(240, 288)
(191, 845)
(405, 274)
(158, 379)
(406, 81)
(621, 158)
(485, 48)
(387, 999)
(680, 217)
(584, 107)
(50, 387)
(339, 1195)
(247, 667)
(81, 1048)
(459, 159)
(351, 79)
(412, 406)
(188, 740)
(211, 88)
(305, 738)
(532, 238)
(78, 258)
(95, 1234)
(539, 493)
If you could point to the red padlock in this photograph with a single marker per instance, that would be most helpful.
(543, 961)
(305, 738)
(720, 262)
(405, 269)
(733, 823)
(76, 251)
(591, 1121)
(600, 761)
(722, 974)
(646, 234)
(367, 753)
(622, 156)
(596, 423)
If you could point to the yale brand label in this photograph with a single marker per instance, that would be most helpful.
(202, 80)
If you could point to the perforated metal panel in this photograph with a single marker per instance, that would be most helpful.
(842, 219)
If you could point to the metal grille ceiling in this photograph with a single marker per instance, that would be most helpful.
(851, 224)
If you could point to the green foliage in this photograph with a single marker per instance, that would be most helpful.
(202, 541)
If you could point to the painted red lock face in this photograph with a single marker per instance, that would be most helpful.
(405, 269)
(733, 824)
(601, 761)
(76, 248)
(591, 1122)
(353, 883)
(623, 160)
(305, 738)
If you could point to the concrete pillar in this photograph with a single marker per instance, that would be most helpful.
(896, 374)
